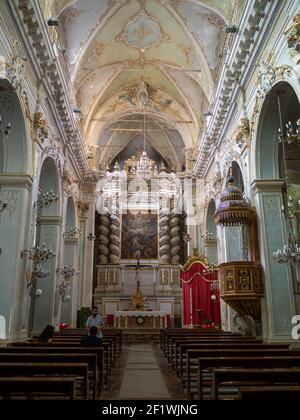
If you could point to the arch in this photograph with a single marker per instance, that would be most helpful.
(210, 218)
(236, 173)
(48, 182)
(267, 152)
(48, 228)
(70, 214)
(14, 150)
(271, 189)
(68, 298)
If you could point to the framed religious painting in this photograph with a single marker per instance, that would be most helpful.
(139, 237)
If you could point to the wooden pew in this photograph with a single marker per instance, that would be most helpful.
(254, 376)
(206, 363)
(181, 345)
(168, 337)
(52, 358)
(270, 393)
(37, 385)
(32, 369)
(105, 366)
(230, 352)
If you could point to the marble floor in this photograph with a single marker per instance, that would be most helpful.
(141, 373)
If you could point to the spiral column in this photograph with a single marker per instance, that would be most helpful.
(114, 237)
(164, 236)
(104, 239)
(174, 237)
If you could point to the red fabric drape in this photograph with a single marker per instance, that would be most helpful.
(200, 297)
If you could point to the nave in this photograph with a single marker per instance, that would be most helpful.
(185, 365)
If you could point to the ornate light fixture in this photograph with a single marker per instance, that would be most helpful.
(292, 133)
(68, 272)
(290, 254)
(145, 166)
(47, 199)
(71, 233)
(212, 271)
(38, 256)
(4, 131)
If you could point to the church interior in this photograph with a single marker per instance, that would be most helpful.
(150, 171)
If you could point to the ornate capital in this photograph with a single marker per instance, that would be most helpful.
(242, 133)
(39, 127)
(293, 38)
(83, 208)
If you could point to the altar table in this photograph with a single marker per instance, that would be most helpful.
(140, 319)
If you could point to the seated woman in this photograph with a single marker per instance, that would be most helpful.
(47, 334)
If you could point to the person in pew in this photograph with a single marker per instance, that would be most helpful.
(95, 320)
(47, 334)
(91, 339)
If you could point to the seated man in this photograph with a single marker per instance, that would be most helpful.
(91, 340)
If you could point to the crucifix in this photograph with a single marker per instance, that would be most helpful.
(138, 299)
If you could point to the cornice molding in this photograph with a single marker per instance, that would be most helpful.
(267, 185)
(34, 25)
(255, 21)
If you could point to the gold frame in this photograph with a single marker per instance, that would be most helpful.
(157, 234)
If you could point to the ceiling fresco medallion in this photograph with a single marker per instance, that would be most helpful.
(141, 32)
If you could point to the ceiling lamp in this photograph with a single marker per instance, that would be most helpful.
(145, 166)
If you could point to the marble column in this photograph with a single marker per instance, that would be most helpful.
(49, 233)
(69, 309)
(14, 230)
(278, 306)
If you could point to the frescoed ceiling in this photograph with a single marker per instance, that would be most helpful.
(128, 58)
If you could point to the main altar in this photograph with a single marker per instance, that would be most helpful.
(140, 319)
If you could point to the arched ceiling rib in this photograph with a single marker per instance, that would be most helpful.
(172, 47)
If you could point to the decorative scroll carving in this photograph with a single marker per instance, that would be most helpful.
(293, 38)
(241, 135)
(268, 74)
(244, 281)
(83, 208)
(39, 126)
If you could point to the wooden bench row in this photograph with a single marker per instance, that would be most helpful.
(75, 368)
(216, 365)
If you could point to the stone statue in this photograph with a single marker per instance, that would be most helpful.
(142, 95)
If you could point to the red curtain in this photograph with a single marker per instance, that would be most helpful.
(197, 289)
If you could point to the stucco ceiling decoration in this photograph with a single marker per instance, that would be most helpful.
(142, 32)
(158, 57)
(143, 96)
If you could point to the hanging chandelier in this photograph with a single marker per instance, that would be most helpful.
(145, 167)
(292, 133)
(290, 253)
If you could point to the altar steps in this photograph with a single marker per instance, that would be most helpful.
(140, 335)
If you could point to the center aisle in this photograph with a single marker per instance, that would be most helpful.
(142, 375)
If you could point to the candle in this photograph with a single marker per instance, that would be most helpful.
(191, 304)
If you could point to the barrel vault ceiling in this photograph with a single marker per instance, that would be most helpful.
(131, 60)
